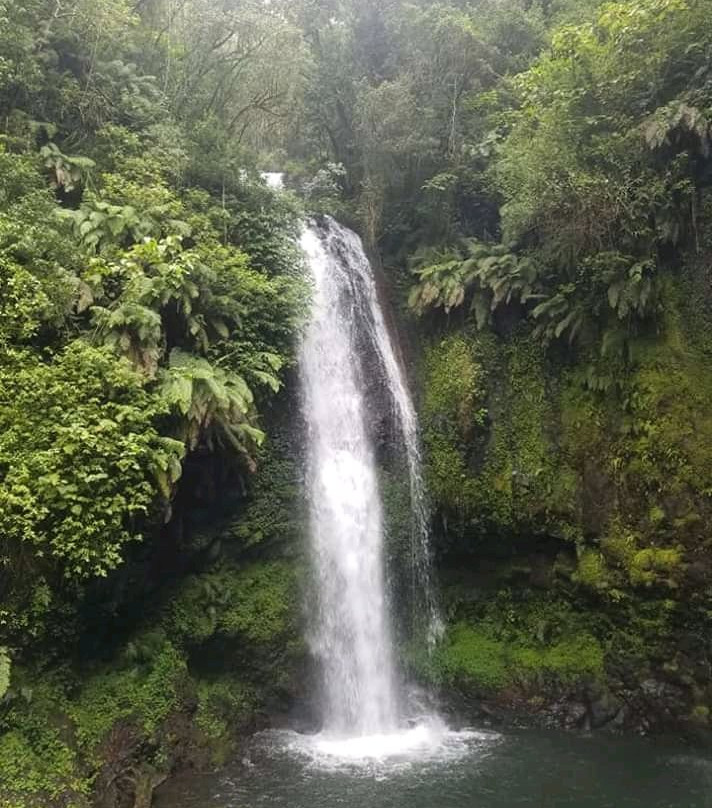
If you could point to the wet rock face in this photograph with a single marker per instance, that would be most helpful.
(380, 420)
(603, 709)
(654, 708)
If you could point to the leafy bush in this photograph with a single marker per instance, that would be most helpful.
(222, 704)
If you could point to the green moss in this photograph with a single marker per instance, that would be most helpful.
(592, 570)
(454, 392)
(667, 451)
(620, 545)
(700, 715)
(473, 656)
(568, 660)
(222, 705)
(454, 383)
(656, 565)
(449, 479)
(60, 737)
(490, 435)
(620, 563)
(524, 448)
(255, 602)
(142, 695)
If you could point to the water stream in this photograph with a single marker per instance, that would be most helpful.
(345, 249)
(350, 631)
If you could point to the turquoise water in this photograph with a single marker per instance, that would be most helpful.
(477, 769)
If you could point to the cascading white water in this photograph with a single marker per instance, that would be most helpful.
(347, 245)
(364, 719)
(351, 634)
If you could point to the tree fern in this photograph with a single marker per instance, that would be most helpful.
(486, 274)
(211, 404)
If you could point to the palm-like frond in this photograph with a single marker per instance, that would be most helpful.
(211, 404)
(486, 273)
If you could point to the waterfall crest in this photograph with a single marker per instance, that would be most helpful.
(351, 631)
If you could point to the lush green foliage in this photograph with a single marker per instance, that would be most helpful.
(537, 177)
(487, 275)
(60, 737)
(146, 313)
(598, 158)
(254, 603)
(150, 294)
(81, 459)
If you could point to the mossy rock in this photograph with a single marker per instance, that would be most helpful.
(473, 658)
(255, 602)
(491, 438)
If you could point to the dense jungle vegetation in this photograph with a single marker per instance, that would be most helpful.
(534, 176)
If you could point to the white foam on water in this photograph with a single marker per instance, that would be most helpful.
(427, 743)
(379, 746)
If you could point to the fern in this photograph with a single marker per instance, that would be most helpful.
(669, 124)
(488, 274)
(212, 405)
(67, 171)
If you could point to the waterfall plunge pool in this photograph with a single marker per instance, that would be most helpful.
(443, 769)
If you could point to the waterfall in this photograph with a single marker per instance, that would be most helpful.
(348, 246)
(351, 632)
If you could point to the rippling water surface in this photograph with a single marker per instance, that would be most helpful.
(430, 767)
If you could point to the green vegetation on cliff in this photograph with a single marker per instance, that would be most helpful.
(150, 297)
(563, 494)
(536, 177)
(156, 702)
